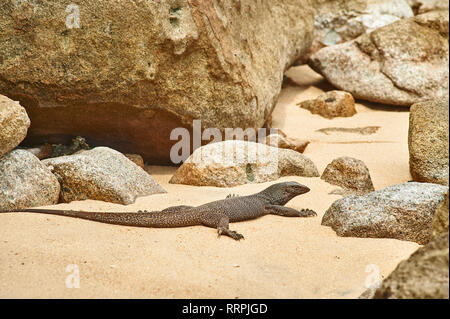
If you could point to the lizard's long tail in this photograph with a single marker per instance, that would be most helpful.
(155, 219)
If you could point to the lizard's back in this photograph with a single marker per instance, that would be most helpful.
(236, 208)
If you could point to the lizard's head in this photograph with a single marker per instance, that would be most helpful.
(281, 193)
(295, 188)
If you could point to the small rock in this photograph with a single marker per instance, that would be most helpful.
(349, 173)
(26, 182)
(102, 174)
(14, 124)
(440, 220)
(41, 151)
(278, 140)
(237, 162)
(136, 159)
(428, 141)
(331, 104)
(424, 275)
(403, 211)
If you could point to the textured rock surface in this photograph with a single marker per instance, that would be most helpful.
(424, 275)
(349, 173)
(236, 162)
(422, 6)
(428, 141)
(403, 211)
(440, 219)
(331, 104)
(26, 182)
(14, 123)
(338, 21)
(134, 70)
(101, 174)
(402, 63)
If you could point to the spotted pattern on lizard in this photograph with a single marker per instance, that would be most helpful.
(217, 214)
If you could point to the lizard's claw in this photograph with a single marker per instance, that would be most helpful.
(307, 213)
(235, 235)
(229, 233)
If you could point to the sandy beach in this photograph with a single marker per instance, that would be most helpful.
(279, 258)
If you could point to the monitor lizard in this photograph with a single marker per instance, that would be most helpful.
(216, 214)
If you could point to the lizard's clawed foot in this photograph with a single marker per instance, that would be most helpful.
(307, 213)
(229, 233)
(232, 195)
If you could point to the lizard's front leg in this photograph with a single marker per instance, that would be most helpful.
(221, 222)
(288, 212)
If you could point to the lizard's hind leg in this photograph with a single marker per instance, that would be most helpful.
(221, 222)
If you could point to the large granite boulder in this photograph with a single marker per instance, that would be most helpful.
(236, 162)
(428, 141)
(403, 211)
(26, 182)
(125, 73)
(101, 174)
(338, 21)
(424, 275)
(402, 63)
(14, 123)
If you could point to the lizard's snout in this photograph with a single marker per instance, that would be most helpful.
(298, 189)
(303, 189)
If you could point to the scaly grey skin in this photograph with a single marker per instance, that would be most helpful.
(217, 214)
